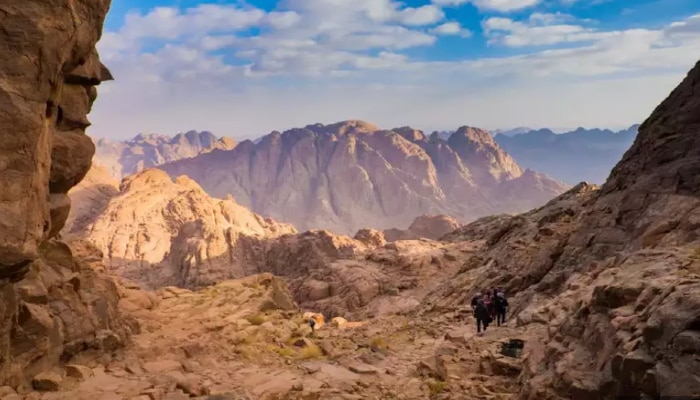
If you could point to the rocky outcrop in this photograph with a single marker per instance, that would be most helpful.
(52, 305)
(351, 175)
(123, 158)
(161, 232)
(606, 281)
(424, 227)
(89, 199)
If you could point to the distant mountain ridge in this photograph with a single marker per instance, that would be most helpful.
(575, 156)
(123, 158)
(352, 175)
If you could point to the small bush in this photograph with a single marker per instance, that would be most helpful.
(436, 387)
(256, 319)
(282, 351)
(311, 351)
(379, 343)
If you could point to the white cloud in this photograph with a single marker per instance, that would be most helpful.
(339, 59)
(424, 15)
(451, 28)
(491, 5)
(540, 29)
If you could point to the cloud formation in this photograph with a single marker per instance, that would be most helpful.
(192, 61)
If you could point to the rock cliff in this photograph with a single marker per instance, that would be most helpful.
(606, 282)
(52, 305)
(123, 158)
(351, 175)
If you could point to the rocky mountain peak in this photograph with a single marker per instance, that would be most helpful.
(472, 135)
(410, 134)
(343, 128)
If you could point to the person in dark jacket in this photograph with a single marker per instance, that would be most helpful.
(501, 307)
(482, 317)
(475, 300)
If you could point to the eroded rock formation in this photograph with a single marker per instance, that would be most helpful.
(52, 306)
(161, 232)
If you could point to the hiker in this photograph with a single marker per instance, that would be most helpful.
(312, 324)
(492, 305)
(482, 317)
(475, 300)
(501, 307)
(488, 302)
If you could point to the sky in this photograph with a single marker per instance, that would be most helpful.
(244, 68)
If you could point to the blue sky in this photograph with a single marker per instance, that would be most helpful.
(243, 68)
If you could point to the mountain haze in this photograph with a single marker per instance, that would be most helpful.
(123, 158)
(352, 175)
(579, 155)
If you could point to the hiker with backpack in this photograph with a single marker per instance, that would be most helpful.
(482, 317)
(501, 307)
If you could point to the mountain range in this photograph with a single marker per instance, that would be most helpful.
(352, 174)
(123, 158)
(579, 155)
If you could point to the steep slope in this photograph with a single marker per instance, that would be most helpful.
(605, 284)
(145, 151)
(580, 155)
(53, 304)
(350, 175)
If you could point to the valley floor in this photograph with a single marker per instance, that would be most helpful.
(217, 344)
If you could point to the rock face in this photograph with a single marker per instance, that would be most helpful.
(52, 306)
(145, 151)
(351, 175)
(580, 155)
(426, 226)
(162, 232)
(607, 281)
(89, 199)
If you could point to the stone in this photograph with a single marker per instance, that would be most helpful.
(78, 371)
(156, 367)
(433, 366)
(363, 369)
(457, 338)
(47, 382)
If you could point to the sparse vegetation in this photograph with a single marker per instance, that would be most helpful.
(311, 351)
(257, 319)
(282, 350)
(436, 387)
(379, 343)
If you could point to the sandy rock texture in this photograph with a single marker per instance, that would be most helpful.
(52, 305)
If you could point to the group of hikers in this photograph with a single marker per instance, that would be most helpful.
(487, 307)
